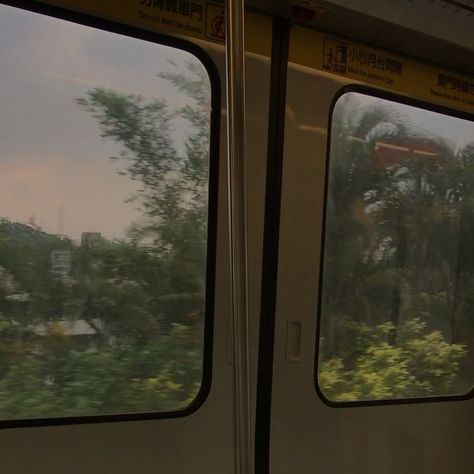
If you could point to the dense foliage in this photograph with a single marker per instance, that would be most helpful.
(369, 365)
(115, 326)
(397, 309)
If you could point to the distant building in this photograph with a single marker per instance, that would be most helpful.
(390, 154)
(77, 331)
(72, 328)
(7, 282)
(90, 239)
(61, 263)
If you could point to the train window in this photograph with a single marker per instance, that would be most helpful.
(104, 176)
(396, 306)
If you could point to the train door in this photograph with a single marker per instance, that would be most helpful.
(115, 312)
(373, 336)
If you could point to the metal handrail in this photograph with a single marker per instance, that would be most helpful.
(235, 56)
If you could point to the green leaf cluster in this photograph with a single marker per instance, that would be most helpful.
(376, 363)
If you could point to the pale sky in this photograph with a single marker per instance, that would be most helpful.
(54, 167)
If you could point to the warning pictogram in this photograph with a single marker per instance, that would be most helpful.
(335, 56)
(215, 22)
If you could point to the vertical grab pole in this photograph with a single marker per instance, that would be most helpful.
(235, 56)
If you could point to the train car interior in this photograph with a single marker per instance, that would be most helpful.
(236, 237)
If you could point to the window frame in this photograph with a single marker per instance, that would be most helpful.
(207, 62)
(404, 100)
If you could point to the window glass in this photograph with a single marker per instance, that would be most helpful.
(104, 163)
(397, 305)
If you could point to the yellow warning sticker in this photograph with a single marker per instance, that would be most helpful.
(360, 62)
(187, 17)
(184, 16)
(190, 18)
(380, 68)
